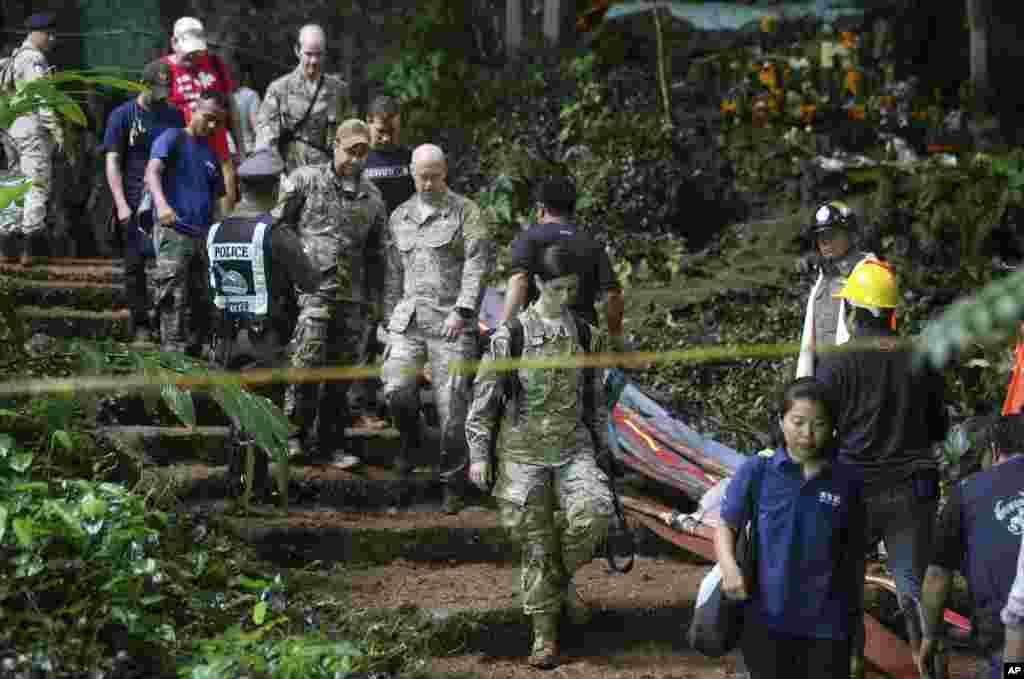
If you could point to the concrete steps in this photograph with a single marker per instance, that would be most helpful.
(82, 295)
(63, 321)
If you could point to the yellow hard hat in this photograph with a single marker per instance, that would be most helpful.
(871, 284)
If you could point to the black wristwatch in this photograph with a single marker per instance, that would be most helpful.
(463, 312)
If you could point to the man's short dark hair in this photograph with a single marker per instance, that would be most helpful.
(384, 105)
(558, 194)
(217, 97)
(1008, 435)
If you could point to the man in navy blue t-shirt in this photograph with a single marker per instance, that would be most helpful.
(184, 176)
(131, 130)
(979, 534)
(556, 206)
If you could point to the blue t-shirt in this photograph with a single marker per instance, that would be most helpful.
(979, 534)
(810, 539)
(191, 180)
(131, 131)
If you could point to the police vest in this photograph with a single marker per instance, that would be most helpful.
(239, 255)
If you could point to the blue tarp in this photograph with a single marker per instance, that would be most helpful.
(727, 16)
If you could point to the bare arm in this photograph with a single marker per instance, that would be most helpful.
(733, 584)
(154, 170)
(116, 183)
(616, 310)
(515, 295)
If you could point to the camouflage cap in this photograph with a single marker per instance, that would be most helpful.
(351, 132)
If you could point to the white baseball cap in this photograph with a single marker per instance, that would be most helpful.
(190, 34)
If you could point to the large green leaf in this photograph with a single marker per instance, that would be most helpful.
(6, 445)
(181, 404)
(3, 523)
(14, 192)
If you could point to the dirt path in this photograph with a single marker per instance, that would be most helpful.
(637, 631)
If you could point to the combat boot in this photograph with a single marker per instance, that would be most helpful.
(544, 655)
(8, 248)
(576, 609)
(454, 496)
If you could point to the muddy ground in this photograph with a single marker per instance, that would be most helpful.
(640, 617)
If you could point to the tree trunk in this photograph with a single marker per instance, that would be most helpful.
(979, 13)
(513, 27)
(558, 24)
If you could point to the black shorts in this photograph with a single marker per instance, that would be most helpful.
(771, 655)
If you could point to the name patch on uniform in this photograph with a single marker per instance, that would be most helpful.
(386, 172)
(830, 499)
(231, 251)
(237, 307)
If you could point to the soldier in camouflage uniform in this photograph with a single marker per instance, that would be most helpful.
(552, 493)
(38, 135)
(341, 219)
(439, 255)
(283, 122)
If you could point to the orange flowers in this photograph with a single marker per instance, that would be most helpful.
(769, 76)
(728, 106)
(857, 112)
(849, 40)
(807, 112)
(854, 78)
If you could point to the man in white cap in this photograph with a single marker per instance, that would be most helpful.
(195, 71)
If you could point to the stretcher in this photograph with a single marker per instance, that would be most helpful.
(647, 440)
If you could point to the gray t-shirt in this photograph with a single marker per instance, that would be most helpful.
(248, 102)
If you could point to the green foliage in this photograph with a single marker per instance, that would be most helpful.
(988, 317)
(237, 652)
(71, 540)
(412, 77)
(254, 414)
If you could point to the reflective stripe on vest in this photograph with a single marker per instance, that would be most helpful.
(238, 273)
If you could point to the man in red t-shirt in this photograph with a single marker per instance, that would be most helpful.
(194, 70)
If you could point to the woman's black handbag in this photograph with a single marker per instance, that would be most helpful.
(717, 624)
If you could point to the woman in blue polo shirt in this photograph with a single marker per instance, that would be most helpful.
(804, 608)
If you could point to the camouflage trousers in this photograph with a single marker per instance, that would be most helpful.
(35, 153)
(563, 518)
(327, 335)
(182, 291)
(405, 354)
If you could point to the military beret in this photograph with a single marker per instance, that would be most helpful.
(263, 164)
(41, 22)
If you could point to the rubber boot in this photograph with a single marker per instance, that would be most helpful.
(454, 496)
(35, 250)
(544, 654)
(8, 248)
(408, 429)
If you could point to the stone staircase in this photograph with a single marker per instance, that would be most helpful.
(84, 298)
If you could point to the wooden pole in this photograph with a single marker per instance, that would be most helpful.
(513, 28)
(662, 69)
(979, 14)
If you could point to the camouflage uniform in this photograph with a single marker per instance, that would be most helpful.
(286, 103)
(340, 229)
(182, 294)
(553, 495)
(826, 307)
(36, 136)
(436, 263)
